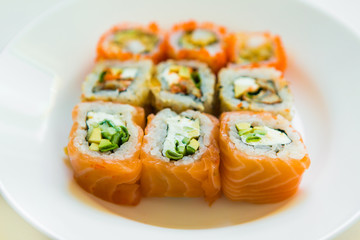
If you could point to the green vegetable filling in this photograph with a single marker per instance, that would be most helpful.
(105, 145)
(249, 133)
(261, 135)
(104, 135)
(173, 155)
(101, 77)
(182, 137)
(192, 146)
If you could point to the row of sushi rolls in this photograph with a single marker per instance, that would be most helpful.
(147, 125)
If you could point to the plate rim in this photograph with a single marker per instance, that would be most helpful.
(62, 4)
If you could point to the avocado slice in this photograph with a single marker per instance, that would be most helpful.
(239, 90)
(242, 126)
(193, 133)
(192, 147)
(106, 145)
(244, 84)
(95, 136)
(245, 131)
(194, 130)
(184, 72)
(94, 147)
(196, 123)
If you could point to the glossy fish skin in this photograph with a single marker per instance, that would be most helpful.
(198, 179)
(257, 179)
(112, 180)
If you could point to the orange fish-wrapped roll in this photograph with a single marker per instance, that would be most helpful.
(104, 149)
(262, 157)
(198, 41)
(180, 156)
(128, 41)
(256, 49)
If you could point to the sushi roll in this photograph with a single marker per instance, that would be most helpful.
(198, 41)
(180, 156)
(254, 89)
(256, 49)
(117, 81)
(262, 157)
(104, 148)
(132, 41)
(182, 85)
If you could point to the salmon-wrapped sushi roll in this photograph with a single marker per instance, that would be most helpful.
(117, 81)
(262, 157)
(198, 41)
(180, 156)
(254, 89)
(182, 85)
(256, 49)
(132, 41)
(104, 148)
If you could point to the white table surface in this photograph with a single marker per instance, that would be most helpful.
(15, 14)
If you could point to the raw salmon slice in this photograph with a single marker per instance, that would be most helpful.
(195, 178)
(264, 177)
(113, 177)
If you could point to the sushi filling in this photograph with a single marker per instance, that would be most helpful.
(256, 90)
(115, 79)
(261, 136)
(255, 48)
(183, 80)
(134, 41)
(105, 132)
(182, 137)
(198, 38)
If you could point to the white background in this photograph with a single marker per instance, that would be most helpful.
(15, 14)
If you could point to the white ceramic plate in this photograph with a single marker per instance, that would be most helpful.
(41, 73)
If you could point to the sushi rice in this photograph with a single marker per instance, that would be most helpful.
(164, 98)
(137, 93)
(228, 101)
